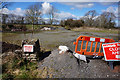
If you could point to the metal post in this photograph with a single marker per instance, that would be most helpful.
(111, 64)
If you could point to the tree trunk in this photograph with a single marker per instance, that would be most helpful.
(32, 29)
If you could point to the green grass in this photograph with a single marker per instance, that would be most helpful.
(107, 31)
(29, 27)
(7, 34)
(8, 76)
(28, 73)
(0, 76)
(24, 74)
(113, 31)
(51, 46)
(12, 65)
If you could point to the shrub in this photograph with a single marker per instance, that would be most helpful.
(72, 23)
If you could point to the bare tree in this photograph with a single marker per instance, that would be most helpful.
(107, 19)
(90, 17)
(4, 18)
(33, 14)
(4, 3)
(19, 19)
(52, 15)
(11, 18)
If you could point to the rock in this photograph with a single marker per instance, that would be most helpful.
(36, 49)
(23, 54)
(33, 56)
(26, 55)
(19, 52)
(33, 59)
(103, 58)
(17, 71)
(28, 58)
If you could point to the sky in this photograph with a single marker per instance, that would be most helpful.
(65, 10)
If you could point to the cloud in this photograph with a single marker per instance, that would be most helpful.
(66, 15)
(89, 5)
(61, 0)
(73, 0)
(109, 3)
(79, 5)
(17, 11)
(112, 9)
(78, 0)
(46, 7)
(4, 11)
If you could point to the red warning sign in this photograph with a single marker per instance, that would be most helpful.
(111, 51)
(28, 48)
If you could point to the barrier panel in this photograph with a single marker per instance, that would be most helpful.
(94, 41)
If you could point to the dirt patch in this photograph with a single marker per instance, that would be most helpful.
(9, 47)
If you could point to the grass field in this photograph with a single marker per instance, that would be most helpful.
(98, 30)
(29, 27)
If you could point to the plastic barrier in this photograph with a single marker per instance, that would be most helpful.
(92, 40)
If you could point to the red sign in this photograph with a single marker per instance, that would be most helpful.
(28, 48)
(111, 51)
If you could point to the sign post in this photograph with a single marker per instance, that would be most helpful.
(111, 52)
(28, 48)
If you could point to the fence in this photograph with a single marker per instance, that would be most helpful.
(85, 49)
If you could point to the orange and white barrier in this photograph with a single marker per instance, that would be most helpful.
(91, 39)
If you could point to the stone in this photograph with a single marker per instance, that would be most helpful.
(26, 55)
(18, 51)
(33, 59)
(32, 55)
(36, 49)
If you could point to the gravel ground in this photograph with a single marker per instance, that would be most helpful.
(66, 66)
